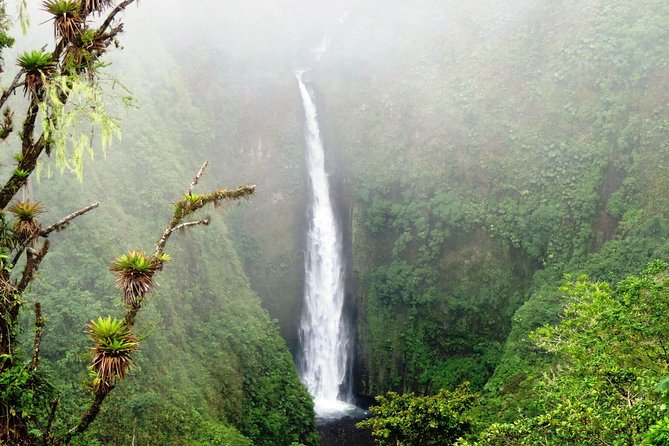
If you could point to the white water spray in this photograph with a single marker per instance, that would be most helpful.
(323, 334)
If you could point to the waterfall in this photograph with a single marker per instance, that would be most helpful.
(323, 335)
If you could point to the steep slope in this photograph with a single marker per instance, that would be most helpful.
(213, 368)
(491, 149)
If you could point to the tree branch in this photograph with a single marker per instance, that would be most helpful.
(30, 151)
(63, 222)
(191, 203)
(110, 18)
(32, 264)
(197, 177)
(57, 226)
(52, 416)
(88, 417)
(32, 147)
(204, 221)
(39, 326)
(16, 83)
(185, 206)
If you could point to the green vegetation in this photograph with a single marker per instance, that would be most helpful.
(31, 403)
(607, 355)
(606, 383)
(66, 17)
(403, 420)
(134, 275)
(112, 354)
(37, 66)
(486, 153)
(26, 225)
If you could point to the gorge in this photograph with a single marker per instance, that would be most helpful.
(477, 152)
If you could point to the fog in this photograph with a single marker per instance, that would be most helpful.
(264, 38)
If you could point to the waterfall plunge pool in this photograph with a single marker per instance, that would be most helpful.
(330, 410)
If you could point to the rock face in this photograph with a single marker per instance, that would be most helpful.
(343, 432)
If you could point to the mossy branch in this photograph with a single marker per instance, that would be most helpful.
(37, 344)
(33, 261)
(30, 151)
(57, 226)
(63, 222)
(187, 205)
(193, 202)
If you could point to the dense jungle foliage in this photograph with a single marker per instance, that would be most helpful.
(536, 147)
(607, 381)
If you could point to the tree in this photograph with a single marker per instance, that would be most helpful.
(60, 88)
(434, 420)
(609, 354)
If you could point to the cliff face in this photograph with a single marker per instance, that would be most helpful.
(521, 146)
(485, 152)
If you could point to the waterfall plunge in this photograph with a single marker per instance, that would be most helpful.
(323, 335)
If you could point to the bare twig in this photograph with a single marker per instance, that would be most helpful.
(197, 177)
(57, 226)
(204, 221)
(63, 222)
(16, 83)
